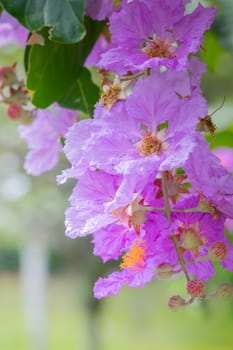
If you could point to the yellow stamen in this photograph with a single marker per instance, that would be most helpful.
(135, 258)
(191, 238)
(157, 47)
(150, 144)
(110, 96)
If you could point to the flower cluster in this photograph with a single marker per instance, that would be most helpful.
(149, 190)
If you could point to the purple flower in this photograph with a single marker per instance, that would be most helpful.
(150, 33)
(211, 179)
(97, 202)
(87, 213)
(111, 285)
(101, 45)
(209, 229)
(127, 138)
(100, 9)
(137, 270)
(124, 148)
(145, 256)
(78, 138)
(150, 131)
(195, 234)
(11, 31)
(110, 241)
(43, 138)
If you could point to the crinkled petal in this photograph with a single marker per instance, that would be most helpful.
(112, 284)
(110, 241)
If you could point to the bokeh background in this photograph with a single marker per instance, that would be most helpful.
(46, 279)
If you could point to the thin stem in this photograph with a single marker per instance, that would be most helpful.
(180, 256)
(166, 197)
(154, 209)
(190, 301)
(172, 267)
(190, 210)
(173, 210)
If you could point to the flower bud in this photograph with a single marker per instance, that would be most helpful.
(224, 291)
(217, 251)
(195, 288)
(164, 270)
(8, 76)
(14, 111)
(175, 303)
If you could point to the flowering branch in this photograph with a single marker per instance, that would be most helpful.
(139, 127)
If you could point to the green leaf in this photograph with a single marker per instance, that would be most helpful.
(63, 17)
(54, 69)
(83, 94)
(51, 70)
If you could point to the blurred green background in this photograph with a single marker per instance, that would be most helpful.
(46, 279)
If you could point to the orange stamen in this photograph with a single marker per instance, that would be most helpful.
(135, 258)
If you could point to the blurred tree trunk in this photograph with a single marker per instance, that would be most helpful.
(34, 273)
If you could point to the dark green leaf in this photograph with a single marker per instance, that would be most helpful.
(63, 17)
(51, 70)
(83, 94)
(54, 68)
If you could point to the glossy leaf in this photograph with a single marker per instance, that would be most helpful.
(83, 94)
(54, 69)
(63, 17)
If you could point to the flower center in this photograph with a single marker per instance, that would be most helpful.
(135, 258)
(150, 144)
(132, 215)
(110, 96)
(157, 47)
(190, 238)
(175, 186)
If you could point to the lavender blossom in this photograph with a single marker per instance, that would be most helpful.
(151, 33)
(210, 179)
(43, 138)
(100, 9)
(11, 31)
